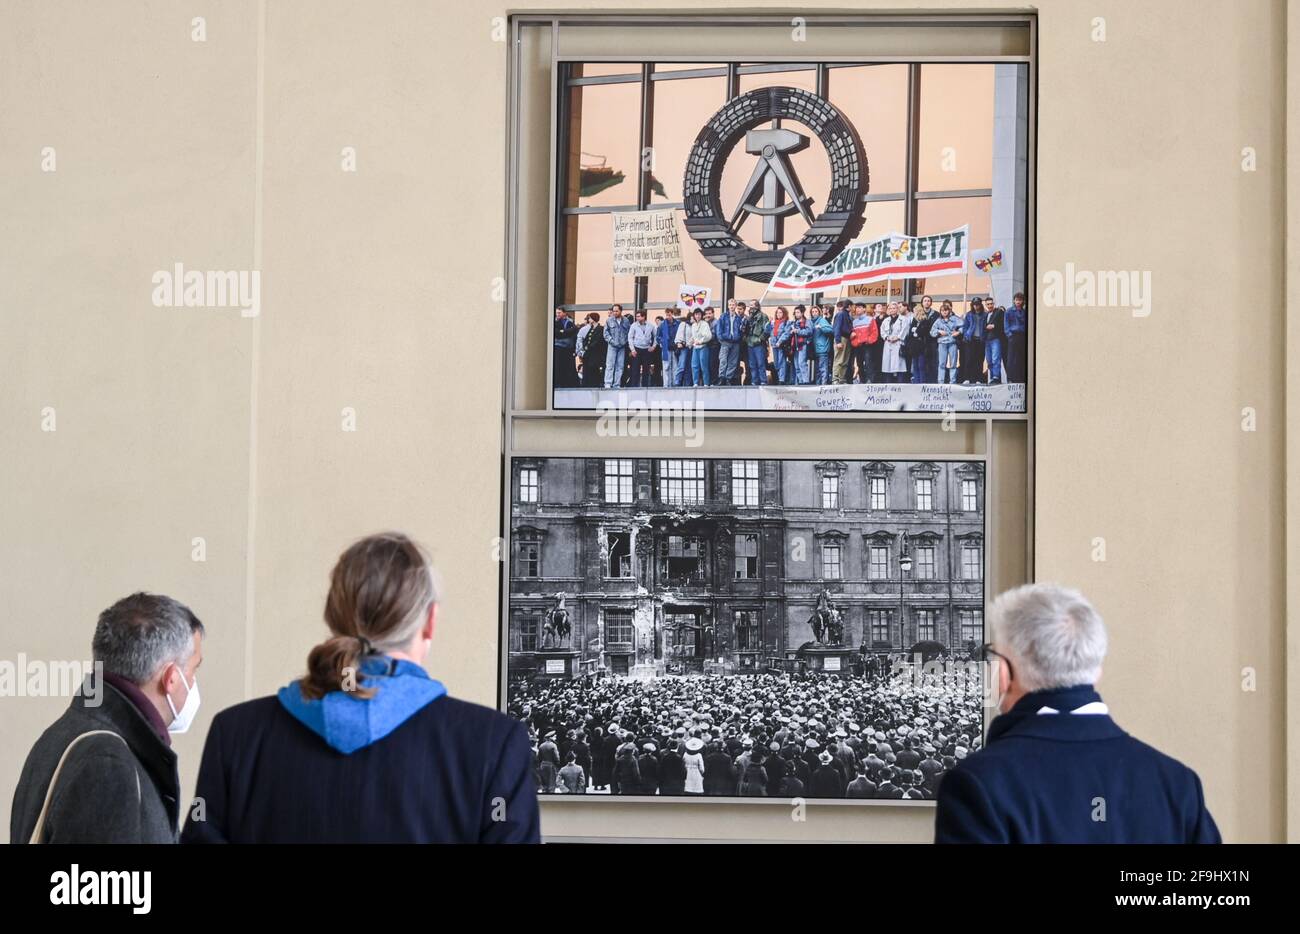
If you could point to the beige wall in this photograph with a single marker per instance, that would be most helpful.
(177, 423)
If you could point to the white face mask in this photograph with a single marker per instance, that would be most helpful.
(181, 719)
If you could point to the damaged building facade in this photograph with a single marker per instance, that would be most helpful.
(694, 565)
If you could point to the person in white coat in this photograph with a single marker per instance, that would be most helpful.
(893, 329)
(694, 763)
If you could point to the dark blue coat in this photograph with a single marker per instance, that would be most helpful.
(1052, 778)
(429, 768)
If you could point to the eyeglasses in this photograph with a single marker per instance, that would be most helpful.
(987, 653)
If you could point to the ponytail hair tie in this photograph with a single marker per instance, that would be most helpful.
(366, 647)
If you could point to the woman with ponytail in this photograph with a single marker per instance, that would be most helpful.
(365, 746)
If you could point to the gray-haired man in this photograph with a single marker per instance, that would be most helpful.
(105, 772)
(1055, 767)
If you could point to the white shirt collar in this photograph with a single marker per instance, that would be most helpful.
(1094, 707)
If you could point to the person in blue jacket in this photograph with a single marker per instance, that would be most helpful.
(617, 326)
(973, 325)
(665, 335)
(823, 335)
(945, 331)
(366, 747)
(841, 332)
(1055, 768)
(715, 345)
(801, 342)
(1017, 324)
(729, 330)
(562, 342)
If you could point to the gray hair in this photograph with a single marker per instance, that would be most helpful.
(139, 634)
(1053, 635)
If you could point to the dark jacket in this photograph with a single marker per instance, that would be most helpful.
(997, 318)
(415, 766)
(582, 755)
(827, 782)
(753, 781)
(565, 333)
(96, 799)
(719, 774)
(861, 787)
(648, 766)
(841, 325)
(672, 774)
(791, 787)
(775, 766)
(628, 775)
(917, 338)
(1069, 778)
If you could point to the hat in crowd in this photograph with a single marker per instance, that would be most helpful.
(825, 758)
(694, 744)
(550, 734)
(649, 747)
(811, 743)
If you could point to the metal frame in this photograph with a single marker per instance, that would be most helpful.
(732, 70)
(507, 554)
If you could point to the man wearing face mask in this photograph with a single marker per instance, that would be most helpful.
(105, 772)
(1055, 767)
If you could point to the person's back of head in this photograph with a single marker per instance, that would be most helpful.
(155, 643)
(1052, 637)
(382, 600)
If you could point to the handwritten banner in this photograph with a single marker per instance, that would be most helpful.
(646, 243)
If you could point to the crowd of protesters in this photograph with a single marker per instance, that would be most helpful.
(844, 342)
(770, 735)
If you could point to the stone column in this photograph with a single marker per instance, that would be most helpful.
(1010, 176)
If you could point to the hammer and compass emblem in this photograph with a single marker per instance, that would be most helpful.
(772, 181)
(773, 193)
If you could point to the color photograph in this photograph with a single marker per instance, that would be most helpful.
(792, 237)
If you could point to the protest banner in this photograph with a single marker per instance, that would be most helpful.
(646, 243)
(895, 256)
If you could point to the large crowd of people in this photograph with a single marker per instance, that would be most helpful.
(844, 342)
(876, 735)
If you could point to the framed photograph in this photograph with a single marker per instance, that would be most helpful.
(765, 629)
(850, 237)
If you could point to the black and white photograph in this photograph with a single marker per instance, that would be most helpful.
(779, 628)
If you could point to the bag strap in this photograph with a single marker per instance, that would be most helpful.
(38, 832)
